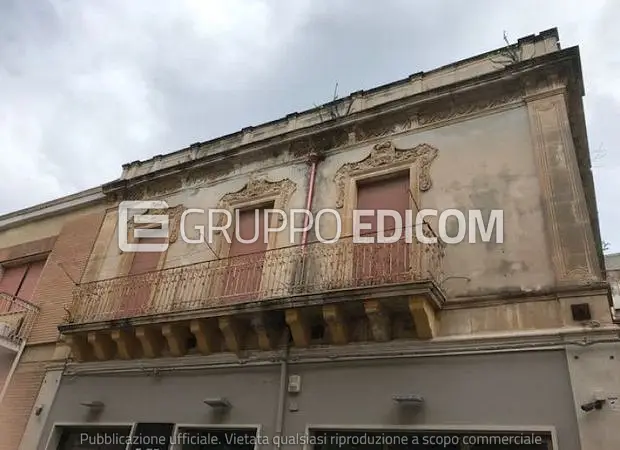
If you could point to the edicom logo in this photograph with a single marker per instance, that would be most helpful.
(453, 226)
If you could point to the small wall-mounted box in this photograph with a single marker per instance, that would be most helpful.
(294, 384)
(581, 312)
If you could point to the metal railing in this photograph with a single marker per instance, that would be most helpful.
(17, 317)
(315, 268)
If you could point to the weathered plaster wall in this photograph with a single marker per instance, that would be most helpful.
(595, 373)
(526, 315)
(484, 163)
(107, 261)
(208, 198)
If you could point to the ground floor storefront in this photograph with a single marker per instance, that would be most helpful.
(162, 436)
(515, 400)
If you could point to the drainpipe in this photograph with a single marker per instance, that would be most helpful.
(18, 357)
(282, 393)
(313, 159)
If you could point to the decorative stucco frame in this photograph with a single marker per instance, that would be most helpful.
(174, 223)
(256, 193)
(385, 160)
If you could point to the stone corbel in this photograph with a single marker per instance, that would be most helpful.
(336, 322)
(264, 330)
(102, 344)
(424, 317)
(208, 338)
(151, 340)
(233, 332)
(177, 336)
(127, 344)
(379, 320)
(300, 329)
(80, 347)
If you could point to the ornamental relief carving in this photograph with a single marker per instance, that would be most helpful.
(174, 221)
(256, 189)
(398, 123)
(354, 132)
(384, 155)
(430, 116)
(150, 190)
(546, 80)
(581, 274)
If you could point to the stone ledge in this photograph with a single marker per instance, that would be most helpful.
(557, 339)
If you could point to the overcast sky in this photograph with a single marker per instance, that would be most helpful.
(86, 86)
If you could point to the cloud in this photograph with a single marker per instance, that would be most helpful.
(88, 86)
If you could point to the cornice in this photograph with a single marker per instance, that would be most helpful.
(540, 340)
(522, 296)
(466, 98)
(55, 207)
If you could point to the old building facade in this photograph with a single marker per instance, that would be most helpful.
(43, 251)
(296, 340)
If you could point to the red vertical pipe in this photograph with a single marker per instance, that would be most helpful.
(314, 160)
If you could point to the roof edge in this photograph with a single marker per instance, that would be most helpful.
(545, 42)
(53, 207)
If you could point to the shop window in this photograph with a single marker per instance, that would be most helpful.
(152, 436)
(216, 439)
(428, 440)
(93, 438)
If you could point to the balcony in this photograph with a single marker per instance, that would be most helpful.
(17, 317)
(262, 293)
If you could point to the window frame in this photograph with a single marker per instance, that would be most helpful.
(181, 426)
(58, 427)
(550, 429)
(26, 261)
(371, 175)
